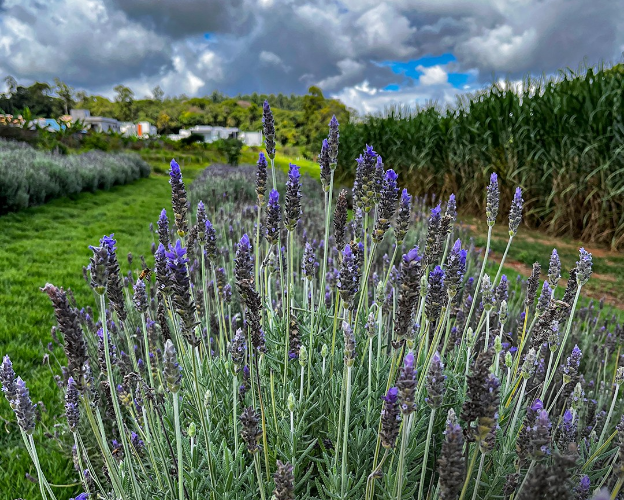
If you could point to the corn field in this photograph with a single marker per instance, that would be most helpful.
(561, 140)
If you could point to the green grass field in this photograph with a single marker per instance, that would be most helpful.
(50, 244)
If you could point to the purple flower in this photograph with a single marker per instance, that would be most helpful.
(261, 177)
(268, 127)
(178, 198)
(137, 442)
(452, 466)
(515, 212)
(163, 229)
(390, 418)
(211, 241)
(24, 407)
(583, 267)
(7, 378)
(183, 302)
(323, 160)
(403, 216)
(433, 247)
(140, 297)
(273, 218)
(72, 407)
(387, 206)
(436, 295)
(455, 268)
(292, 207)
(406, 384)
(348, 277)
(332, 142)
(434, 382)
(554, 269)
(493, 197)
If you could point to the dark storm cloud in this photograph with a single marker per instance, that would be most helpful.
(182, 18)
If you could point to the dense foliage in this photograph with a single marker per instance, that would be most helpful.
(561, 140)
(255, 358)
(301, 119)
(29, 177)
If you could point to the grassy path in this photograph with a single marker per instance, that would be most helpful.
(50, 244)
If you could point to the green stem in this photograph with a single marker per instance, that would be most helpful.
(259, 476)
(477, 287)
(234, 411)
(500, 267)
(565, 338)
(346, 433)
(606, 424)
(426, 455)
(476, 488)
(469, 474)
(176, 416)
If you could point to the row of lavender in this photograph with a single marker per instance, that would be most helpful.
(280, 349)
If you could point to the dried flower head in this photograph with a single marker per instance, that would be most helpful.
(284, 482)
(172, 371)
(451, 466)
(250, 431)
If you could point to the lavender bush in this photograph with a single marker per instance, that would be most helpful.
(265, 361)
(29, 177)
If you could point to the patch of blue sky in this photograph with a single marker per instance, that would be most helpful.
(393, 87)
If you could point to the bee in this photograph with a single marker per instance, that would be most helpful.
(145, 274)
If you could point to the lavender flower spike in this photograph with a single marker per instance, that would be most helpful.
(583, 267)
(340, 219)
(332, 142)
(387, 205)
(554, 269)
(434, 382)
(72, 406)
(323, 160)
(292, 208)
(515, 212)
(406, 383)
(261, 178)
(452, 466)
(390, 418)
(114, 288)
(403, 217)
(268, 128)
(273, 218)
(7, 378)
(98, 265)
(24, 407)
(163, 229)
(178, 198)
(493, 198)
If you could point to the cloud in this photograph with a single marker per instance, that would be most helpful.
(347, 47)
(434, 75)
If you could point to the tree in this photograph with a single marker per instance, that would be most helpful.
(125, 102)
(158, 93)
(11, 84)
(66, 93)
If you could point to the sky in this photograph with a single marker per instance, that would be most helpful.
(368, 53)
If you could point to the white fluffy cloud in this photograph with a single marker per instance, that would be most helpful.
(196, 46)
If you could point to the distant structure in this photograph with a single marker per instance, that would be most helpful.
(96, 123)
(251, 138)
(50, 124)
(143, 130)
(212, 133)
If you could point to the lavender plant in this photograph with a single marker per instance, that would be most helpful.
(224, 375)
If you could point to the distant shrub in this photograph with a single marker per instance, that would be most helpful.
(29, 177)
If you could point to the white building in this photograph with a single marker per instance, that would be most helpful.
(97, 123)
(251, 138)
(211, 134)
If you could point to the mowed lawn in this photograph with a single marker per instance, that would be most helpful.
(50, 244)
